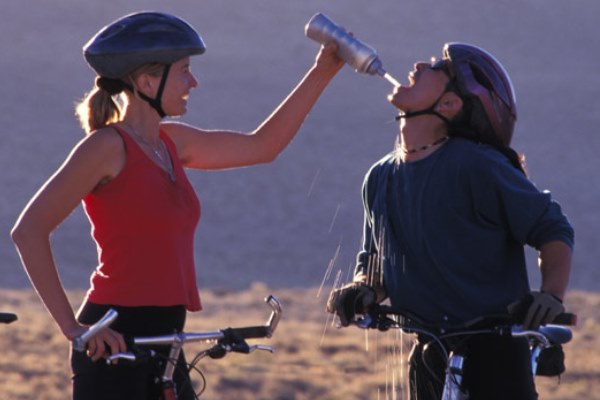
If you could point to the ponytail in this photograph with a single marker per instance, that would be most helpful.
(99, 108)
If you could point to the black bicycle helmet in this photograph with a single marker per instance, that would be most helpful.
(479, 75)
(141, 38)
(136, 40)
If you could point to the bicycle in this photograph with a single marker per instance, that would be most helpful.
(7, 318)
(549, 338)
(228, 340)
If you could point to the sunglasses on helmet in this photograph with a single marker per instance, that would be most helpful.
(442, 65)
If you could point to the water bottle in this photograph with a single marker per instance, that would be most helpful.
(360, 56)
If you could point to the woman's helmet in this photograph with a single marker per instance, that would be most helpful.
(136, 40)
(141, 38)
(476, 74)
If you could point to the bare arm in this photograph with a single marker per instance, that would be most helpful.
(555, 267)
(93, 160)
(226, 149)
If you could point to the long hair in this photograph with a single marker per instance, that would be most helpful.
(97, 109)
(471, 123)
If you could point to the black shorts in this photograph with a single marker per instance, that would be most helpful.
(126, 380)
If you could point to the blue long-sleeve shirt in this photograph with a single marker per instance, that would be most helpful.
(448, 231)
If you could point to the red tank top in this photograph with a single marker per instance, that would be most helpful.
(144, 223)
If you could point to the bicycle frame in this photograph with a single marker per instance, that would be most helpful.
(231, 339)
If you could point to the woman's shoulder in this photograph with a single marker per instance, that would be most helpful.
(175, 129)
(104, 146)
(181, 132)
(108, 138)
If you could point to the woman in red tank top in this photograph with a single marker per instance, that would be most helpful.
(129, 165)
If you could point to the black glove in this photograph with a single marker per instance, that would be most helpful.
(537, 308)
(349, 300)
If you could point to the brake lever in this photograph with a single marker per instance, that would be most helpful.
(121, 356)
(220, 350)
(379, 322)
(262, 347)
(138, 356)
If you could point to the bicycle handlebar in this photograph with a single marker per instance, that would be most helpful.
(568, 319)
(80, 342)
(554, 333)
(378, 311)
(250, 332)
(547, 334)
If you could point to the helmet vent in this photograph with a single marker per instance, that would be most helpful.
(481, 77)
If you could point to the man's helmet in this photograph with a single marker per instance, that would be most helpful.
(478, 75)
(141, 38)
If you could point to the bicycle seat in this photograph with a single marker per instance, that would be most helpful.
(557, 334)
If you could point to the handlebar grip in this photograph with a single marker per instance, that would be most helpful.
(7, 318)
(252, 332)
(566, 318)
(80, 342)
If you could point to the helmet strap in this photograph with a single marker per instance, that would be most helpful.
(156, 102)
(426, 111)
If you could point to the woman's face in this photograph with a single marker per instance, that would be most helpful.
(177, 89)
(426, 85)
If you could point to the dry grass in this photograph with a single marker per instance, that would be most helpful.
(313, 360)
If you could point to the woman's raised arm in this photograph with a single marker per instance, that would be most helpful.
(202, 149)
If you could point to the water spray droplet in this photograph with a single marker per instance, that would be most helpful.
(312, 185)
(391, 79)
(337, 210)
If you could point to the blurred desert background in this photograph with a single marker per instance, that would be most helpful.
(277, 228)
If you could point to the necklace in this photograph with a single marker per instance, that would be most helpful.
(424, 147)
(160, 151)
